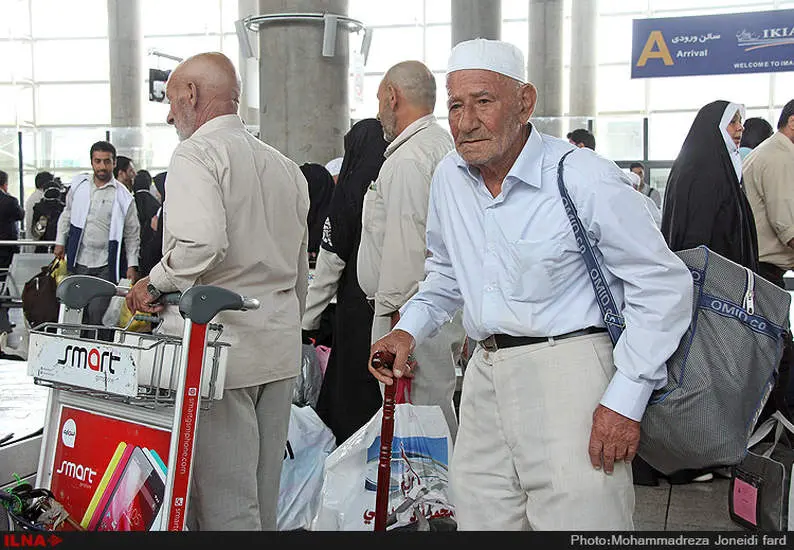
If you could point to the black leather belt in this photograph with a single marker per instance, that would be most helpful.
(502, 341)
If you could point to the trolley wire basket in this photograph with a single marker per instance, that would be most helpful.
(136, 368)
(115, 363)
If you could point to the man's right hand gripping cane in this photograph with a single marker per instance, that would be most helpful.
(401, 345)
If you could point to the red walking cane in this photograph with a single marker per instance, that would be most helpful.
(384, 359)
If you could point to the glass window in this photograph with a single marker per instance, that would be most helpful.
(8, 150)
(369, 106)
(515, 9)
(175, 17)
(73, 104)
(16, 64)
(154, 113)
(408, 12)
(437, 47)
(14, 18)
(441, 110)
(16, 101)
(390, 46)
(183, 46)
(230, 13)
(695, 91)
(617, 91)
(67, 147)
(231, 48)
(658, 179)
(70, 60)
(666, 134)
(784, 88)
(670, 5)
(517, 33)
(161, 142)
(29, 149)
(619, 138)
(438, 11)
(621, 6)
(613, 41)
(82, 19)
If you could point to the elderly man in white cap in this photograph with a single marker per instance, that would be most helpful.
(548, 425)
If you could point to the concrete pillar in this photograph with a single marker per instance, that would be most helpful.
(249, 68)
(125, 39)
(303, 96)
(584, 20)
(544, 66)
(476, 19)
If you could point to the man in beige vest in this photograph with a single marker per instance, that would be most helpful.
(391, 256)
(235, 217)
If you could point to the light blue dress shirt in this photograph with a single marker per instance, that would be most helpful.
(511, 262)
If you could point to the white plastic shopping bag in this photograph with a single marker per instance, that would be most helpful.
(418, 499)
(309, 442)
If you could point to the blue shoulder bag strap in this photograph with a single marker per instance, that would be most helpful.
(606, 302)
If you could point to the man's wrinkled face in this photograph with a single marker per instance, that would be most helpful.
(386, 115)
(103, 163)
(485, 115)
(181, 114)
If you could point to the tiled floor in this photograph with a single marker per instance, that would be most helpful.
(692, 507)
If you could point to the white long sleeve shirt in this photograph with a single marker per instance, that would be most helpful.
(513, 264)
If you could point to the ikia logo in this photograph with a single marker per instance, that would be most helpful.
(31, 541)
(81, 358)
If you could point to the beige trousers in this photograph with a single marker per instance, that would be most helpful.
(434, 380)
(520, 460)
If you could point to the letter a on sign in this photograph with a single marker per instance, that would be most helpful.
(661, 51)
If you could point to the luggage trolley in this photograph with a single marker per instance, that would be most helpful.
(117, 449)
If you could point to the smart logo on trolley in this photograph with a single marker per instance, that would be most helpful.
(79, 357)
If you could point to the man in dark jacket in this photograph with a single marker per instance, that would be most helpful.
(44, 226)
(11, 214)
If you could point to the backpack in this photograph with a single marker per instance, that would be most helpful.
(45, 215)
(723, 371)
(39, 302)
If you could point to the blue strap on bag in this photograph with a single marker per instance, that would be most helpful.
(606, 302)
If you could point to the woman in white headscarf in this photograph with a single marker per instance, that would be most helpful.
(705, 203)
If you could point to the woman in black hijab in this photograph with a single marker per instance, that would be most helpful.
(321, 188)
(147, 207)
(704, 202)
(349, 395)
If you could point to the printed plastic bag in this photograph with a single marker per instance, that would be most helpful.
(308, 445)
(418, 498)
(307, 385)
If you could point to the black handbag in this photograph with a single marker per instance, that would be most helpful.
(39, 302)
